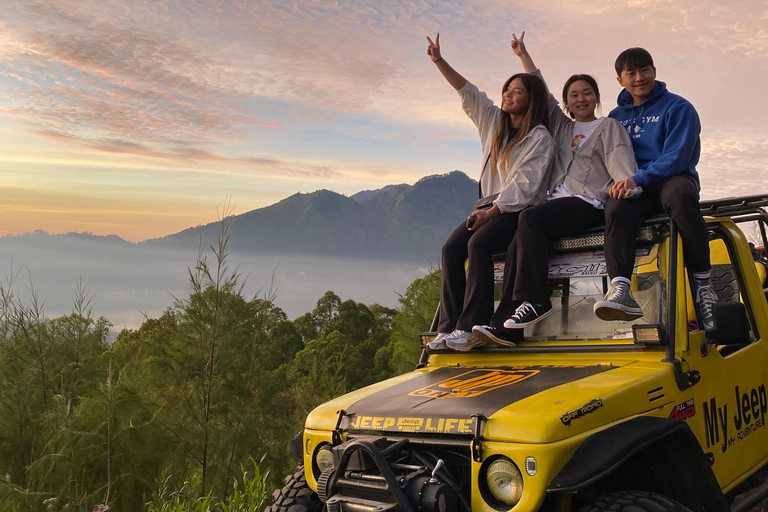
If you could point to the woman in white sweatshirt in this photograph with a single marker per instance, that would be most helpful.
(517, 148)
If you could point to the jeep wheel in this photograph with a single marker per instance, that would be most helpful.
(295, 496)
(636, 501)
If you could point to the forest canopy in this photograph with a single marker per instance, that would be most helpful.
(194, 409)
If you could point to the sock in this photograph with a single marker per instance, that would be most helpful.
(621, 279)
(701, 279)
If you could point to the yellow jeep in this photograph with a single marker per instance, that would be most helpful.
(583, 414)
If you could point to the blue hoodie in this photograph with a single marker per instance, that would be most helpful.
(664, 130)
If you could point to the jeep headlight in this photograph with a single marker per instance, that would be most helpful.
(324, 458)
(505, 483)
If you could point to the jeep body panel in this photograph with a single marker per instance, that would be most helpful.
(730, 409)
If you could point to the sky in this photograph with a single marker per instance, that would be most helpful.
(140, 118)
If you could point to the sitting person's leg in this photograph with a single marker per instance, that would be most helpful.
(495, 333)
(492, 238)
(680, 200)
(539, 225)
(527, 263)
(507, 306)
(453, 278)
(623, 218)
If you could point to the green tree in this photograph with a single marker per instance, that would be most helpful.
(340, 361)
(415, 315)
(207, 377)
(99, 448)
(79, 342)
(62, 441)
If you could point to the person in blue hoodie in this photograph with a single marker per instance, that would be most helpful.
(664, 129)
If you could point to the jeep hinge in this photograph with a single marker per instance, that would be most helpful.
(478, 427)
(336, 435)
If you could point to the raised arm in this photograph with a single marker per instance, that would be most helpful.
(454, 78)
(518, 46)
(557, 118)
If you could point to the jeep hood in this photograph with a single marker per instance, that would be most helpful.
(533, 403)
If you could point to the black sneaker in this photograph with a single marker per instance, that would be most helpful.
(527, 314)
(496, 336)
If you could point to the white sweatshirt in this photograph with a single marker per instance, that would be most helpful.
(523, 181)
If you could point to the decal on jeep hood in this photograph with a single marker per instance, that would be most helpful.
(443, 400)
(582, 411)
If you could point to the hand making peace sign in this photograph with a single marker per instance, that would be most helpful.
(518, 46)
(433, 50)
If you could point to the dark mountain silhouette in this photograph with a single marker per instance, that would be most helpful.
(70, 242)
(367, 195)
(395, 222)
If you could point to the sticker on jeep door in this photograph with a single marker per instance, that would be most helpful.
(442, 401)
(751, 407)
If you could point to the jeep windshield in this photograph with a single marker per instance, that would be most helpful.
(573, 317)
(579, 280)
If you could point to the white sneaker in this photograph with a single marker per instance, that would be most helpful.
(463, 341)
(439, 342)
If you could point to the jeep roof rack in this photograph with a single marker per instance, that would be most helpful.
(741, 209)
(734, 206)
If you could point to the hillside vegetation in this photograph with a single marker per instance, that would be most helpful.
(194, 409)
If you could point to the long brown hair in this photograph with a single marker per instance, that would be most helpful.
(538, 113)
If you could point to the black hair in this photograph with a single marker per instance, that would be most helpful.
(538, 113)
(575, 78)
(633, 58)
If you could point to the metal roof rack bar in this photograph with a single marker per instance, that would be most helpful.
(733, 206)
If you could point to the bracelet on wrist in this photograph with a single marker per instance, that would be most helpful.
(438, 60)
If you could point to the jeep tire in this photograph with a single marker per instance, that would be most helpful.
(635, 501)
(295, 496)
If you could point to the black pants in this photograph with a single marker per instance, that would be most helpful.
(678, 198)
(527, 265)
(467, 299)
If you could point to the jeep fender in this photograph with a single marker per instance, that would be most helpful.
(645, 453)
(296, 447)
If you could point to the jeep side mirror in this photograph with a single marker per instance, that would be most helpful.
(731, 324)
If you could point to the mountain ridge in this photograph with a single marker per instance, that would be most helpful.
(395, 222)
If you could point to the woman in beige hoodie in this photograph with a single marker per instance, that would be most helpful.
(591, 154)
(517, 148)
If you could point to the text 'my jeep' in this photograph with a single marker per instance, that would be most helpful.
(582, 414)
